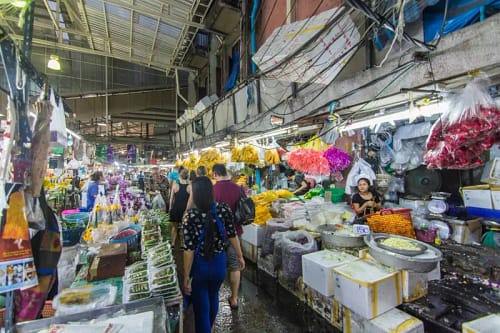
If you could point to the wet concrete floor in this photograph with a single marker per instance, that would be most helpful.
(266, 308)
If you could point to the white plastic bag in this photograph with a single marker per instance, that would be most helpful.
(58, 136)
(359, 167)
(158, 202)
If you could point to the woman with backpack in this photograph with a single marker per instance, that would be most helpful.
(207, 226)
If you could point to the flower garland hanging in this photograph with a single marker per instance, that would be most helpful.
(338, 159)
(309, 161)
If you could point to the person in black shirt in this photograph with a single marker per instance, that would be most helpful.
(367, 200)
(206, 228)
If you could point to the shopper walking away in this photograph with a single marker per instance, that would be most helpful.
(178, 203)
(228, 192)
(200, 171)
(206, 228)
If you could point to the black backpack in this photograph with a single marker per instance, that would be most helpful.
(245, 209)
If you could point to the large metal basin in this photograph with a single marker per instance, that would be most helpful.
(331, 239)
(422, 263)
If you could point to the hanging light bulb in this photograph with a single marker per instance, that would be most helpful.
(54, 63)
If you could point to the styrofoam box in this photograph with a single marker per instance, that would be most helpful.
(353, 322)
(435, 274)
(414, 285)
(394, 321)
(249, 251)
(495, 197)
(367, 288)
(317, 269)
(253, 233)
(488, 324)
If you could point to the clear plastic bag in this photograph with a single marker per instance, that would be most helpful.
(295, 245)
(466, 130)
(85, 298)
(34, 213)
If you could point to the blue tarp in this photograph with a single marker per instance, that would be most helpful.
(461, 13)
(235, 71)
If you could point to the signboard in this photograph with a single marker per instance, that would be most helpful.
(17, 267)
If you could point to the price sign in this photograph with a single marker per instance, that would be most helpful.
(361, 229)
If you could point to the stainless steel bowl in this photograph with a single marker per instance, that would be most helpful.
(331, 239)
(422, 263)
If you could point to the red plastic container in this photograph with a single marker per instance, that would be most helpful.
(427, 236)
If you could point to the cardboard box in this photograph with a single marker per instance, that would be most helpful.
(110, 262)
(327, 307)
(487, 324)
(317, 269)
(414, 285)
(466, 232)
(394, 321)
(253, 234)
(249, 251)
(367, 288)
(477, 196)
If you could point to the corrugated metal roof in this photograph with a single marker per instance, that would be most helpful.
(157, 33)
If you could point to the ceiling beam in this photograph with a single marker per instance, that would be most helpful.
(108, 38)
(148, 114)
(153, 45)
(62, 46)
(167, 18)
(73, 13)
(144, 119)
(131, 29)
(87, 25)
(53, 19)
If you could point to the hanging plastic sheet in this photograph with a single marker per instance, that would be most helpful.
(235, 71)
(460, 14)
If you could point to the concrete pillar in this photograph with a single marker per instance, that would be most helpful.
(192, 93)
(212, 65)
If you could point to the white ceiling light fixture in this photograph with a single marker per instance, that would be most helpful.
(411, 114)
(73, 133)
(102, 124)
(54, 63)
(18, 4)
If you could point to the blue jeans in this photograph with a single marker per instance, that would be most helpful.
(207, 280)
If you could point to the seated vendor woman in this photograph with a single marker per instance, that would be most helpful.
(302, 185)
(367, 200)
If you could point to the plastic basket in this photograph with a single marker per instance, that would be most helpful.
(72, 236)
(69, 211)
(337, 194)
(132, 241)
(80, 218)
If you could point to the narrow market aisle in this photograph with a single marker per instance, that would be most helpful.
(264, 307)
(257, 312)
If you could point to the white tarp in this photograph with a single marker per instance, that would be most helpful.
(319, 62)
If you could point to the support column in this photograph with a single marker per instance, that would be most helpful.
(212, 65)
(192, 93)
